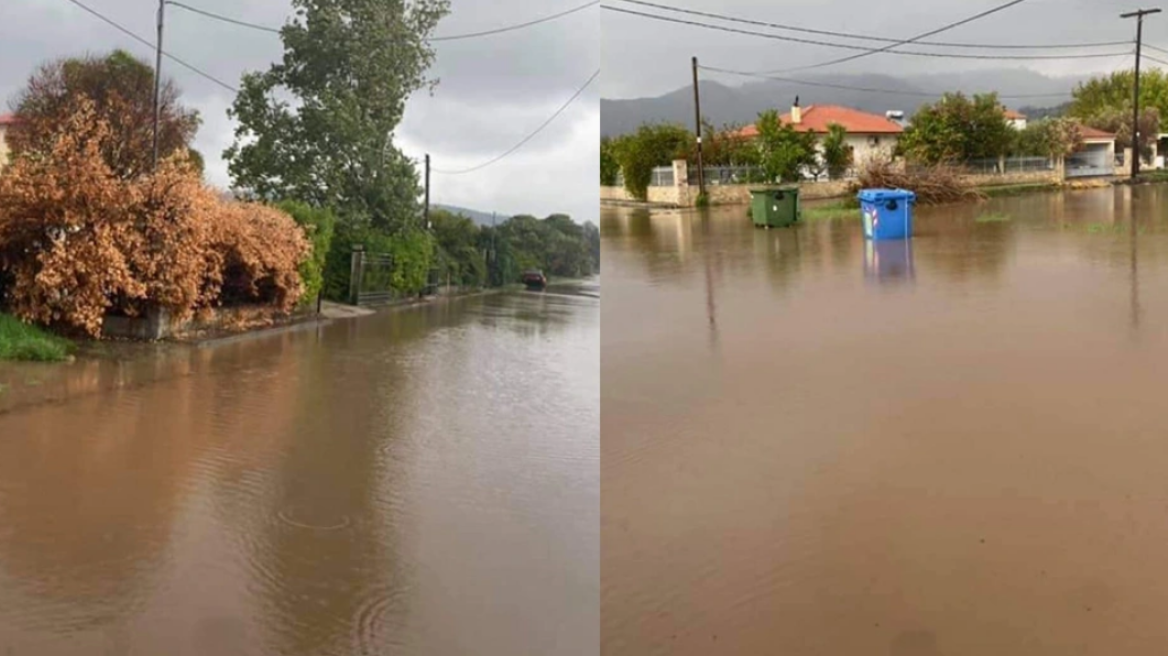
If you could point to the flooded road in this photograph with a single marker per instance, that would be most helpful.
(956, 446)
(423, 481)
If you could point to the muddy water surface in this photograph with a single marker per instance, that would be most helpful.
(958, 446)
(423, 481)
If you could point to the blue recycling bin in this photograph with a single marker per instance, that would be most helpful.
(887, 213)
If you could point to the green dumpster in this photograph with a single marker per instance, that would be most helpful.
(776, 207)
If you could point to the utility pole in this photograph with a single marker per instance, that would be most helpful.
(698, 130)
(157, 78)
(1139, 16)
(426, 209)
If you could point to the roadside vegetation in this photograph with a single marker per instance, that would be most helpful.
(21, 341)
(835, 211)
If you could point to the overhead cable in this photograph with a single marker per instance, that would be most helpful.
(528, 137)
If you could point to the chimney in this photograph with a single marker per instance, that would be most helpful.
(796, 113)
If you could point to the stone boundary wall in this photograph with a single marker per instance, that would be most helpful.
(685, 195)
(159, 324)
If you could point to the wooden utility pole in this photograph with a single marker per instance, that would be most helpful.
(1139, 16)
(426, 209)
(157, 78)
(698, 130)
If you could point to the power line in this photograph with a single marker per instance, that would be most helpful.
(1162, 50)
(918, 37)
(865, 50)
(147, 42)
(1158, 61)
(452, 37)
(500, 30)
(225, 19)
(904, 92)
(528, 137)
(864, 37)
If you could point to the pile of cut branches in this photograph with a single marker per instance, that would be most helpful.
(933, 184)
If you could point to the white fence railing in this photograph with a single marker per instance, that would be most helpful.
(993, 165)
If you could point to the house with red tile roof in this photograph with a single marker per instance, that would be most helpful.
(1096, 157)
(1017, 120)
(6, 121)
(869, 135)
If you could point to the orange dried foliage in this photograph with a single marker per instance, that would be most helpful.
(81, 241)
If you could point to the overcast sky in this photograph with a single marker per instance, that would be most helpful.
(494, 90)
(644, 57)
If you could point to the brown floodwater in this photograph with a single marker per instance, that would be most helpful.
(955, 446)
(423, 481)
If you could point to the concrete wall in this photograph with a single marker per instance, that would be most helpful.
(1022, 177)
(657, 195)
(158, 324)
(863, 149)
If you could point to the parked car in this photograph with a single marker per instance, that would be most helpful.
(534, 279)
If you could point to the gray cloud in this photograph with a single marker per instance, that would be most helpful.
(493, 90)
(642, 57)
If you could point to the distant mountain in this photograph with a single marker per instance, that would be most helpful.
(480, 218)
(725, 104)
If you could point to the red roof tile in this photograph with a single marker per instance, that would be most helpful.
(816, 118)
(7, 119)
(1093, 133)
(1012, 115)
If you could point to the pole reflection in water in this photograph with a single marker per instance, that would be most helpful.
(711, 307)
(889, 261)
(1135, 276)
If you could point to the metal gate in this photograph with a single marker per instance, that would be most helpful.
(1093, 162)
(371, 278)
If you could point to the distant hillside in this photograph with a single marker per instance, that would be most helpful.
(1037, 113)
(725, 104)
(480, 218)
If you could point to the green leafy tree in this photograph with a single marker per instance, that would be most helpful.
(957, 128)
(725, 146)
(784, 152)
(1051, 137)
(592, 238)
(1114, 92)
(609, 166)
(837, 153)
(121, 88)
(457, 243)
(318, 126)
(652, 145)
(319, 226)
(1106, 103)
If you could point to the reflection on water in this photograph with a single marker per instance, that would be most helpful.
(975, 466)
(419, 482)
(888, 261)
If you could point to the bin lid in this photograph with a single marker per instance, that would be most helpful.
(877, 195)
(768, 190)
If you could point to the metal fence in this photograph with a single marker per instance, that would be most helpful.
(662, 176)
(371, 278)
(993, 165)
(1090, 163)
(725, 175)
